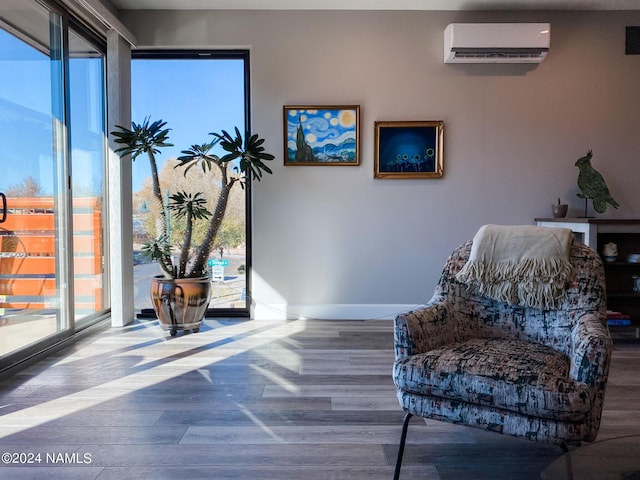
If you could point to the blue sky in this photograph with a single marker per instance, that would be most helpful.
(25, 102)
(194, 97)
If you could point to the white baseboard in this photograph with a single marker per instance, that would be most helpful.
(329, 311)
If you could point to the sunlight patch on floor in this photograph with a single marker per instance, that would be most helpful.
(188, 360)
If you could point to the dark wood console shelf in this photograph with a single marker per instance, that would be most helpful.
(625, 233)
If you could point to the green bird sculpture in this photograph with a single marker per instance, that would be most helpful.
(592, 185)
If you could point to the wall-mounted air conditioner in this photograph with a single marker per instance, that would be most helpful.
(496, 42)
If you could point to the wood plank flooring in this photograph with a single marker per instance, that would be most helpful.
(305, 399)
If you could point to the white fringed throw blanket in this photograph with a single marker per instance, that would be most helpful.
(522, 265)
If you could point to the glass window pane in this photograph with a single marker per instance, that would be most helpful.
(195, 96)
(32, 152)
(86, 91)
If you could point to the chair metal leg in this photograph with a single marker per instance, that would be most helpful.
(567, 460)
(403, 438)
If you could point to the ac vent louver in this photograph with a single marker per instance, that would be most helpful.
(533, 54)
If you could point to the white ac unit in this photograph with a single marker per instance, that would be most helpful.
(496, 42)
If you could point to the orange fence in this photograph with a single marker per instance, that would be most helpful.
(28, 272)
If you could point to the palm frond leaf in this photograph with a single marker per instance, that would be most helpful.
(142, 138)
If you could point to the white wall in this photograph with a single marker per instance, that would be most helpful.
(332, 242)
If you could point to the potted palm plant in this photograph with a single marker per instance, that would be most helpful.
(181, 295)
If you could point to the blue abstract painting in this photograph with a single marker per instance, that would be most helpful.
(322, 135)
(408, 149)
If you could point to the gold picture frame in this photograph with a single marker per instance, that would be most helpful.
(409, 149)
(321, 135)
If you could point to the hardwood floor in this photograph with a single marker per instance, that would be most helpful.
(306, 399)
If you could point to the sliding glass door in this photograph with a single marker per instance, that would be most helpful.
(87, 149)
(52, 149)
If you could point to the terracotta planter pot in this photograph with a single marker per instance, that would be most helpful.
(182, 303)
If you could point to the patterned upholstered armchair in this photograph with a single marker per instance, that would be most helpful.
(527, 372)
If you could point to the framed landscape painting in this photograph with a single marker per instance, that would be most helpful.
(412, 149)
(321, 135)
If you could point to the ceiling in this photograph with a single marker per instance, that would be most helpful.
(377, 4)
